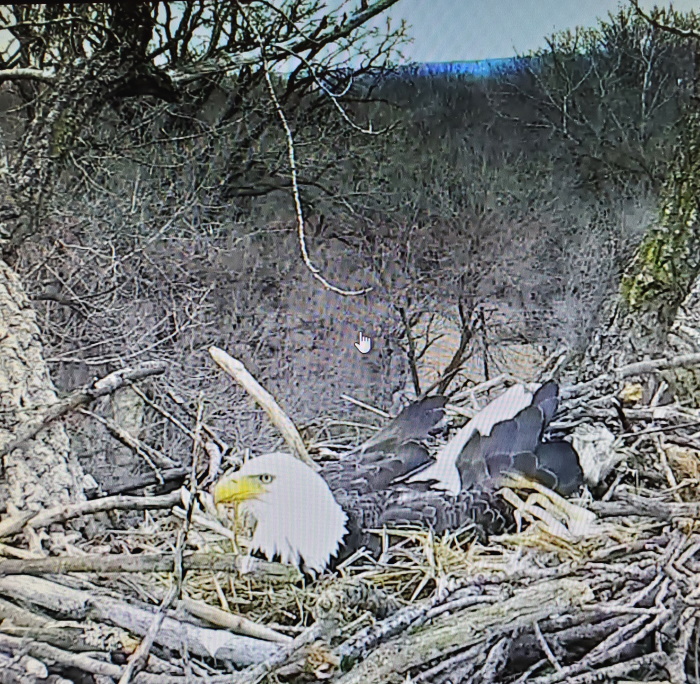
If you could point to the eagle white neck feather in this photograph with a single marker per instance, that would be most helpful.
(297, 517)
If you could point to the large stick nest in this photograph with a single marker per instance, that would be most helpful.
(600, 588)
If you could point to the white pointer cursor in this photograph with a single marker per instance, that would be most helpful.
(364, 345)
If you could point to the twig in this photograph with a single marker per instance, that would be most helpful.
(470, 655)
(80, 661)
(147, 453)
(365, 406)
(546, 649)
(283, 656)
(677, 658)
(411, 351)
(612, 673)
(139, 658)
(495, 660)
(13, 525)
(266, 401)
(638, 368)
(107, 385)
(682, 33)
(670, 477)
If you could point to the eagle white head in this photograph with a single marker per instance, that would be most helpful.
(296, 515)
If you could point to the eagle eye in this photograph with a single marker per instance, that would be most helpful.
(266, 478)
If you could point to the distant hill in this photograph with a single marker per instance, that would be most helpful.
(480, 68)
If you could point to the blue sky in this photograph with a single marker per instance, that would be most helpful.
(453, 30)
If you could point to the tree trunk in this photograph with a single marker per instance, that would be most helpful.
(661, 282)
(43, 473)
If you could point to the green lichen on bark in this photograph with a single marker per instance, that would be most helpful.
(668, 260)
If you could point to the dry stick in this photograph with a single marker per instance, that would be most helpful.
(495, 660)
(484, 387)
(365, 406)
(644, 506)
(107, 385)
(663, 458)
(156, 562)
(210, 431)
(236, 623)
(369, 637)
(411, 351)
(457, 360)
(166, 414)
(46, 652)
(677, 658)
(266, 401)
(464, 629)
(610, 648)
(546, 649)
(15, 524)
(638, 368)
(139, 658)
(285, 655)
(612, 673)
(75, 604)
(147, 453)
(159, 478)
(471, 655)
(213, 448)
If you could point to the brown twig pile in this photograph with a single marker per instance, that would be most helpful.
(604, 588)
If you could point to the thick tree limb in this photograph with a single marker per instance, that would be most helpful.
(462, 629)
(153, 562)
(107, 385)
(80, 605)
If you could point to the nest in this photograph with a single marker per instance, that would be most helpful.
(599, 588)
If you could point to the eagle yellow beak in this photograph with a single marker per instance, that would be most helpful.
(237, 489)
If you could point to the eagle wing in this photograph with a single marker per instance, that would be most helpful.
(374, 490)
(390, 455)
(517, 445)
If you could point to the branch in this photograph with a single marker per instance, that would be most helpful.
(315, 272)
(253, 568)
(637, 368)
(281, 51)
(266, 401)
(14, 524)
(646, 507)
(683, 33)
(28, 74)
(200, 641)
(107, 385)
(466, 628)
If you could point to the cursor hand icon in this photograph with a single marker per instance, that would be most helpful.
(364, 345)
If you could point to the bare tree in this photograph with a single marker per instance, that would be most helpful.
(611, 94)
(71, 69)
(665, 268)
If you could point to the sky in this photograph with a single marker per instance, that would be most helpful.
(456, 30)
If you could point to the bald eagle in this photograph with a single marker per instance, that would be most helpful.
(311, 519)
